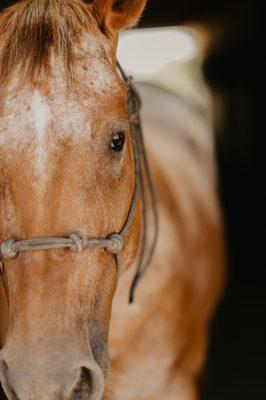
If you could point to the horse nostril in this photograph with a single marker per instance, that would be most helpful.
(6, 390)
(84, 384)
(90, 385)
(2, 393)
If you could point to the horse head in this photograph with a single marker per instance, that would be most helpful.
(66, 165)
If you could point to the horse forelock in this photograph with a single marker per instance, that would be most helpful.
(31, 31)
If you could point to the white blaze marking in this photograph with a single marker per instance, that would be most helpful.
(40, 113)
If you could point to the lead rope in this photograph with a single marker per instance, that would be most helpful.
(143, 175)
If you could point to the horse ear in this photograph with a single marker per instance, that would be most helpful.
(116, 15)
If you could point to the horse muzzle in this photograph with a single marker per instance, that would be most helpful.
(71, 381)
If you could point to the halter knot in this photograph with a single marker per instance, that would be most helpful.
(116, 243)
(7, 250)
(79, 242)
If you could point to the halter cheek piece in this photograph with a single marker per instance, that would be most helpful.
(114, 243)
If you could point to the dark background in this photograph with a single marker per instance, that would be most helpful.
(235, 70)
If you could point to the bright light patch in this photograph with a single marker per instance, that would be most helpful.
(147, 51)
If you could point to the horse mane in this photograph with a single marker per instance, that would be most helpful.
(30, 29)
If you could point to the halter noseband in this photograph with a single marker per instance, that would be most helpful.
(114, 243)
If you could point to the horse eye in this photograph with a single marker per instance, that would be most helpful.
(118, 141)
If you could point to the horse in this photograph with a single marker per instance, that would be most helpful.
(69, 167)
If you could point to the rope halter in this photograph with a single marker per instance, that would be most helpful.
(114, 243)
